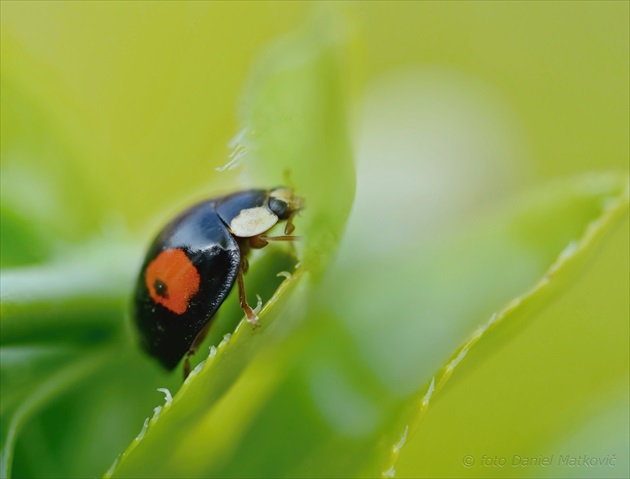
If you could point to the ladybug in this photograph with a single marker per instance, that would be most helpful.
(193, 263)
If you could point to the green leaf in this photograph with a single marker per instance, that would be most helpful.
(31, 376)
(66, 356)
(77, 297)
(20, 241)
(578, 214)
(58, 320)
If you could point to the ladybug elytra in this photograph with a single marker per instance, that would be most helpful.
(193, 263)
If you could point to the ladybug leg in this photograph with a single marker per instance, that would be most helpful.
(249, 312)
(261, 241)
(280, 238)
(201, 335)
(245, 265)
(289, 227)
(257, 242)
(244, 247)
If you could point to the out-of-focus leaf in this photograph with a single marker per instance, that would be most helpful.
(569, 221)
(46, 177)
(113, 399)
(64, 335)
(76, 297)
(20, 242)
(59, 320)
(564, 377)
(31, 376)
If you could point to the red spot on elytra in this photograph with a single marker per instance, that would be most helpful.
(172, 280)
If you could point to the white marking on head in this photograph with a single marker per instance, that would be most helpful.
(253, 221)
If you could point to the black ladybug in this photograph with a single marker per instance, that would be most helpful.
(193, 263)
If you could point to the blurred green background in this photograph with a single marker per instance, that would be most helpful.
(479, 133)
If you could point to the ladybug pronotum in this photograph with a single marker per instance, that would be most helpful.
(192, 266)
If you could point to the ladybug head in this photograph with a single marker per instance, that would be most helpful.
(284, 202)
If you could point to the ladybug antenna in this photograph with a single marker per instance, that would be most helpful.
(288, 182)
